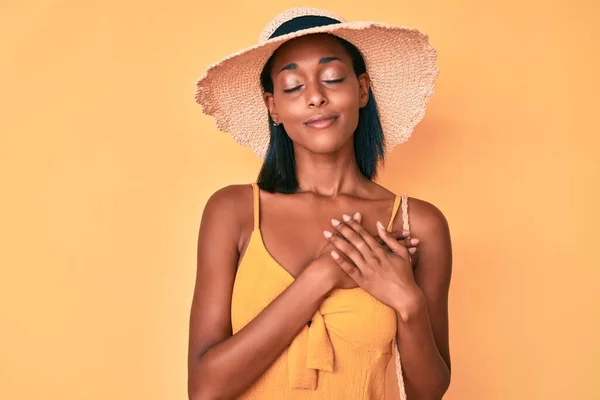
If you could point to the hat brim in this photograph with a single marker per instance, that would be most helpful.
(400, 62)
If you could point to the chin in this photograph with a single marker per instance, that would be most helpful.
(326, 147)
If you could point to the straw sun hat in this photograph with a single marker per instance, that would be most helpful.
(399, 60)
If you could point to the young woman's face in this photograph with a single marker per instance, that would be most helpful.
(316, 94)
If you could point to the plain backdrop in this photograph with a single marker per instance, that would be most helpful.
(106, 163)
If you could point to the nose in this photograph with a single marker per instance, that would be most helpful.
(315, 95)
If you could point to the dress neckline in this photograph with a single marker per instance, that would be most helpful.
(258, 232)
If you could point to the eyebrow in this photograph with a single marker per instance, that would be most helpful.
(322, 60)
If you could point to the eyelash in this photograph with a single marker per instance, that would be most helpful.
(298, 87)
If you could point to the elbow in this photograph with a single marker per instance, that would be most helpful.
(202, 387)
(446, 382)
(205, 392)
(442, 387)
(197, 391)
(203, 396)
(432, 392)
(205, 382)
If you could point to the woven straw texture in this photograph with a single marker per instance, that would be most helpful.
(400, 63)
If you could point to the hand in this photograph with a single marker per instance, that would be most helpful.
(403, 238)
(387, 276)
(332, 272)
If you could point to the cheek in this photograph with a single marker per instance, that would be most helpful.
(347, 100)
(349, 104)
(291, 110)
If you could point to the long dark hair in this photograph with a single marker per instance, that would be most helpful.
(278, 172)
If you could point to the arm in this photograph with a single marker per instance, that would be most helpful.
(423, 323)
(222, 365)
(420, 298)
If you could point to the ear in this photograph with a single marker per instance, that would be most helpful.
(364, 82)
(270, 103)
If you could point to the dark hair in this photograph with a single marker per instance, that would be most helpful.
(278, 172)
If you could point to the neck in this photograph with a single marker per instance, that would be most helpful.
(329, 174)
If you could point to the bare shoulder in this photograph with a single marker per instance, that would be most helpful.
(426, 219)
(228, 214)
(228, 196)
(230, 204)
(434, 252)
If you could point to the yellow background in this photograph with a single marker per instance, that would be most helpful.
(106, 163)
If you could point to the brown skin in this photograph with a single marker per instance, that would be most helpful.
(222, 365)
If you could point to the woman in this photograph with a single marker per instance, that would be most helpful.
(301, 291)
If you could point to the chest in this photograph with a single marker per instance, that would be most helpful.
(291, 229)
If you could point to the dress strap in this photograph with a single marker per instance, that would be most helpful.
(394, 211)
(405, 225)
(400, 200)
(256, 206)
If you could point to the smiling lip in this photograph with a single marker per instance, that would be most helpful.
(321, 121)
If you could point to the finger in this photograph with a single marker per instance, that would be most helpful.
(358, 218)
(346, 248)
(398, 235)
(414, 259)
(357, 228)
(347, 267)
(392, 243)
(353, 237)
(404, 239)
(411, 250)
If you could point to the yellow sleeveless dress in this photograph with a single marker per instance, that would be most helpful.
(342, 354)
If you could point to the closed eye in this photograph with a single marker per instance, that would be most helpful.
(295, 89)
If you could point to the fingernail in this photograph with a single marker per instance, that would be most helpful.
(380, 225)
(335, 254)
(412, 250)
(357, 216)
(334, 222)
(346, 217)
(414, 241)
(327, 234)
